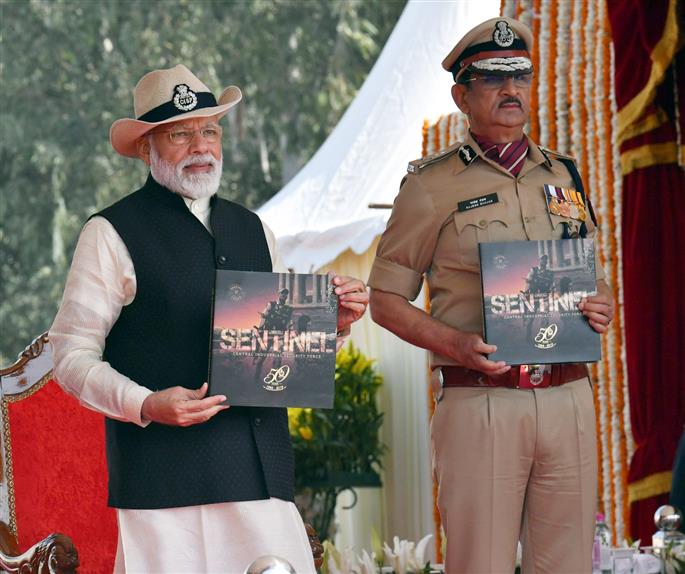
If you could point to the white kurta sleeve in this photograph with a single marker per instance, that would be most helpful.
(277, 264)
(100, 283)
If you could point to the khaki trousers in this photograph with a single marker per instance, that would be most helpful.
(516, 464)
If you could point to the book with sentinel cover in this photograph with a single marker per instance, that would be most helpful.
(531, 291)
(273, 339)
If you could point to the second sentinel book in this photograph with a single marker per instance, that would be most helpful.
(531, 291)
(274, 339)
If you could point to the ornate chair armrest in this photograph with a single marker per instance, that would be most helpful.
(315, 544)
(55, 554)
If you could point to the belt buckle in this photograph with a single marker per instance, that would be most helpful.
(438, 386)
(533, 376)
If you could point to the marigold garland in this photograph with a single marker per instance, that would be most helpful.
(627, 445)
(519, 9)
(525, 13)
(534, 95)
(436, 138)
(444, 132)
(615, 337)
(431, 408)
(561, 82)
(551, 80)
(599, 172)
(575, 114)
(424, 138)
(582, 26)
(432, 134)
(544, 72)
(611, 247)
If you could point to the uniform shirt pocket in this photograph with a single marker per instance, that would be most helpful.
(480, 225)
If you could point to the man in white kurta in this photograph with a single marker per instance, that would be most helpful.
(183, 151)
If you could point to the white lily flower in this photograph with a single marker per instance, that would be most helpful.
(406, 549)
(405, 556)
(420, 553)
(367, 564)
(332, 559)
(392, 557)
(339, 562)
(348, 562)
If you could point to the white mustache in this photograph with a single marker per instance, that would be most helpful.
(195, 160)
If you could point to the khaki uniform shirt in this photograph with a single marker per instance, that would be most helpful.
(426, 234)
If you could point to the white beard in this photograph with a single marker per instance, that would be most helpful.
(192, 186)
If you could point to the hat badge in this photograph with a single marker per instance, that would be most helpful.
(184, 98)
(503, 34)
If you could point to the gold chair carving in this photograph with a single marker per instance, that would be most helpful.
(55, 554)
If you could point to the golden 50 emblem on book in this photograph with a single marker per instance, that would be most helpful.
(273, 339)
(545, 337)
(531, 291)
(275, 380)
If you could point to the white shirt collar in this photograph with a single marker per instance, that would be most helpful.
(197, 206)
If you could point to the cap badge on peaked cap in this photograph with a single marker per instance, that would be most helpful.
(503, 35)
(184, 98)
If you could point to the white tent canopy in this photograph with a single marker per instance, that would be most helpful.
(323, 212)
(324, 209)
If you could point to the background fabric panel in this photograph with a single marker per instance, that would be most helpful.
(654, 212)
(404, 506)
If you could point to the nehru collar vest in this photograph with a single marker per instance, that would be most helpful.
(162, 340)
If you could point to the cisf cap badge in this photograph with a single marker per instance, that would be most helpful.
(184, 98)
(503, 35)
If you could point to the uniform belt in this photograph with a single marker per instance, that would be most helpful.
(519, 377)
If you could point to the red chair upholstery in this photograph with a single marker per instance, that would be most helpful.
(53, 463)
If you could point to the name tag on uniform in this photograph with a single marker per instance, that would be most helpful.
(481, 201)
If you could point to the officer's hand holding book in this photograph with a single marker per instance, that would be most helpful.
(599, 309)
(352, 300)
(470, 350)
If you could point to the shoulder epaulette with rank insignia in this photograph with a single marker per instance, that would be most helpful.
(555, 154)
(467, 154)
(418, 164)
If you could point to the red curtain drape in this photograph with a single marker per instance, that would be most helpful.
(649, 79)
(60, 476)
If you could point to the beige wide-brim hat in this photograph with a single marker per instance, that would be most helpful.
(165, 96)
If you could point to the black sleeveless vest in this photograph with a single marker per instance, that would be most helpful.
(162, 340)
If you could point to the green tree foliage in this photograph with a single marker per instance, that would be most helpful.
(67, 70)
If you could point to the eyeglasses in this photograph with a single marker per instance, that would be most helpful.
(492, 82)
(211, 133)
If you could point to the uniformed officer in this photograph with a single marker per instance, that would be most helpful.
(540, 278)
(277, 314)
(511, 462)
